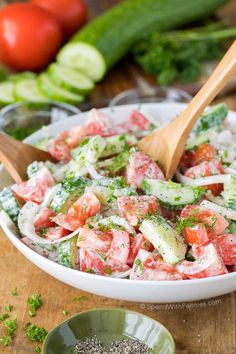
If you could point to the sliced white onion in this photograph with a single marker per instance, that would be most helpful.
(92, 171)
(228, 213)
(203, 181)
(26, 225)
(230, 170)
(74, 233)
(121, 274)
(120, 222)
(26, 222)
(50, 194)
(217, 200)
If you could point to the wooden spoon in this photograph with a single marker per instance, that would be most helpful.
(167, 144)
(16, 156)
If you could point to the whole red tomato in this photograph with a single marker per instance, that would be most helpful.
(71, 14)
(29, 37)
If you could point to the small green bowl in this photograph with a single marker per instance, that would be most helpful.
(109, 324)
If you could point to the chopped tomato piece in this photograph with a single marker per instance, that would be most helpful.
(187, 160)
(139, 120)
(61, 146)
(96, 263)
(54, 233)
(207, 265)
(226, 247)
(149, 266)
(205, 169)
(213, 221)
(120, 246)
(87, 205)
(35, 188)
(94, 239)
(99, 124)
(134, 208)
(137, 243)
(204, 152)
(196, 235)
(43, 219)
(142, 166)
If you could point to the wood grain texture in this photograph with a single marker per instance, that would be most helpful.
(204, 327)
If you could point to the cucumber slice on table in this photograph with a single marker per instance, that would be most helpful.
(6, 93)
(70, 79)
(28, 90)
(56, 93)
(84, 57)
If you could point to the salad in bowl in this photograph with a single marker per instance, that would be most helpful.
(104, 207)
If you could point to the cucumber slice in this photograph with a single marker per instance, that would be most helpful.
(164, 238)
(114, 145)
(28, 90)
(67, 253)
(6, 93)
(84, 57)
(70, 79)
(9, 205)
(172, 195)
(198, 140)
(212, 118)
(56, 93)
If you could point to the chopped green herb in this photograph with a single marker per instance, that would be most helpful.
(35, 302)
(9, 308)
(35, 333)
(14, 292)
(4, 316)
(11, 326)
(37, 349)
(80, 298)
(108, 271)
(5, 341)
(65, 312)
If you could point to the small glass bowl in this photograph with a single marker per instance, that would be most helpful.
(23, 118)
(150, 94)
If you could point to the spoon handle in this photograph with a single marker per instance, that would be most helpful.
(224, 71)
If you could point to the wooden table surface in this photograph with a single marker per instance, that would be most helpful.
(207, 326)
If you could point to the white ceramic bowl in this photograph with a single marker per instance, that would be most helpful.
(124, 289)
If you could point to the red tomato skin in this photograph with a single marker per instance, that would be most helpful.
(61, 146)
(43, 220)
(71, 14)
(120, 247)
(204, 169)
(196, 235)
(94, 239)
(149, 266)
(35, 188)
(142, 166)
(137, 119)
(214, 222)
(87, 205)
(137, 243)
(99, 124)
(55, 233)
(29, 37)
(226, 247)
(134, 208)
(204, 152)
(207, 265)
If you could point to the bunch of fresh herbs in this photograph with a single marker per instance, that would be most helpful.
(181, 55)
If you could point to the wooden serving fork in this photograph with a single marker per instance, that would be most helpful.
(16, 156)
(167, 144)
